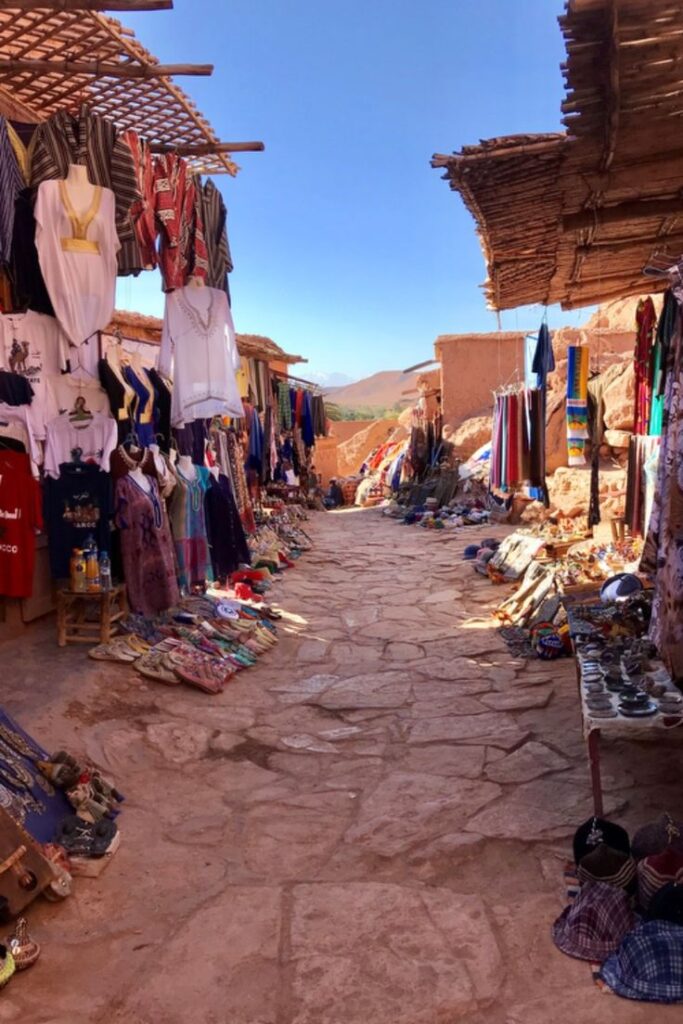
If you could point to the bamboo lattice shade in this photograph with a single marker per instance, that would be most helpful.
(155, 107)
(573, 218)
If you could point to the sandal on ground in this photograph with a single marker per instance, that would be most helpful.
(202, 673)
(154, 666)
(113, 651)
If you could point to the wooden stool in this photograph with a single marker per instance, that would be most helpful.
(72, 608)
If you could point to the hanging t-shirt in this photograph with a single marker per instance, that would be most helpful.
(78, 504)
(199, 351)
(77, 251)
(63, 390)
(72, 440)
(20, 517)
(34, 346)
(19, 416)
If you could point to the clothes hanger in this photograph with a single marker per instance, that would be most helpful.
(132, 441)
(80, 412)
(76, 463)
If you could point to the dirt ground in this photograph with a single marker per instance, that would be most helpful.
(367, 828)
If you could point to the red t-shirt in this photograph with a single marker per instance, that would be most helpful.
(20, 516)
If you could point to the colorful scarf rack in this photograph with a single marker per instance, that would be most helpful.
(518, 440)
(577, 403)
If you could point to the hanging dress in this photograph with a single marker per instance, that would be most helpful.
(227, 542)
(663, 550)
(77, 253)
(646, 318)
(147, 550)
(199, 352)
(188, 520)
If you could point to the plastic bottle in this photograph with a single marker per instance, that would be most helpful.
(92, 572)
(78, 582)
(76, 553)
(105, 571)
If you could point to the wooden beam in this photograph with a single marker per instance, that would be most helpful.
(625, 244)
(653, 209)
(86, 5)
(102, 70)
(574, 298)
(553, 145)
(210, 149)
(612, 104)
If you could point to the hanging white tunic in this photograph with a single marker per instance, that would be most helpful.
(77, 254)
(199, 352)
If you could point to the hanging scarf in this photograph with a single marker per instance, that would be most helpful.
(577, 403)
(646, 318)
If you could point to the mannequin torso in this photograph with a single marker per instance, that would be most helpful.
(143, 481)
(79, 188)
(186, 467)
(159, 463)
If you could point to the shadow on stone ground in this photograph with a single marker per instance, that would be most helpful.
(367, 828)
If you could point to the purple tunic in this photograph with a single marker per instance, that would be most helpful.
(146, 546)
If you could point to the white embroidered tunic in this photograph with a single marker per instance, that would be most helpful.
(199, 351)
(77, 253)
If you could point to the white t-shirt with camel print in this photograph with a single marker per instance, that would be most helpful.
(35, 346)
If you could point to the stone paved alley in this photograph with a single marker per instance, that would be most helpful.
(368, 828)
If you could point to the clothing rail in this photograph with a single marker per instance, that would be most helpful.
(298, 380)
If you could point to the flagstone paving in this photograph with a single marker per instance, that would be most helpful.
(367, 828)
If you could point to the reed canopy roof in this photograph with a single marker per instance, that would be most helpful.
(61, 54)
(574, 217)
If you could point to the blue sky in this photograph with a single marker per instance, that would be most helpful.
(348, 247)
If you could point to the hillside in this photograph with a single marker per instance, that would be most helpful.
(380, 391)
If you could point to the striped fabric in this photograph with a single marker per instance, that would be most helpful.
(142, 212)
(577, 403)
(11, 184)
(214, 217)
(182, 250)
(655, 872)
(94, 141)
(606, 865)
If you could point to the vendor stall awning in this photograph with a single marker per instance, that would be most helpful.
(53, 58)
(575, 217)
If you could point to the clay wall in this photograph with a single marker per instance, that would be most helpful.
(472, 366)
(325, 458)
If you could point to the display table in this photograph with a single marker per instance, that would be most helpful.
(619, 727)
(74, 626)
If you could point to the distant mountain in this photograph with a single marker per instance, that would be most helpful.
(380, 391)
(331, 380)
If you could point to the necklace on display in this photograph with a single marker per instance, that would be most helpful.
(15, 746)
(18, 743)
(130, 463)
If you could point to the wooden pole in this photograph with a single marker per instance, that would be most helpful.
(102, 70)
(87, 5)
(645, 209)
(210, 149)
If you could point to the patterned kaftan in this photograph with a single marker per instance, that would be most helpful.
(146, 546)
